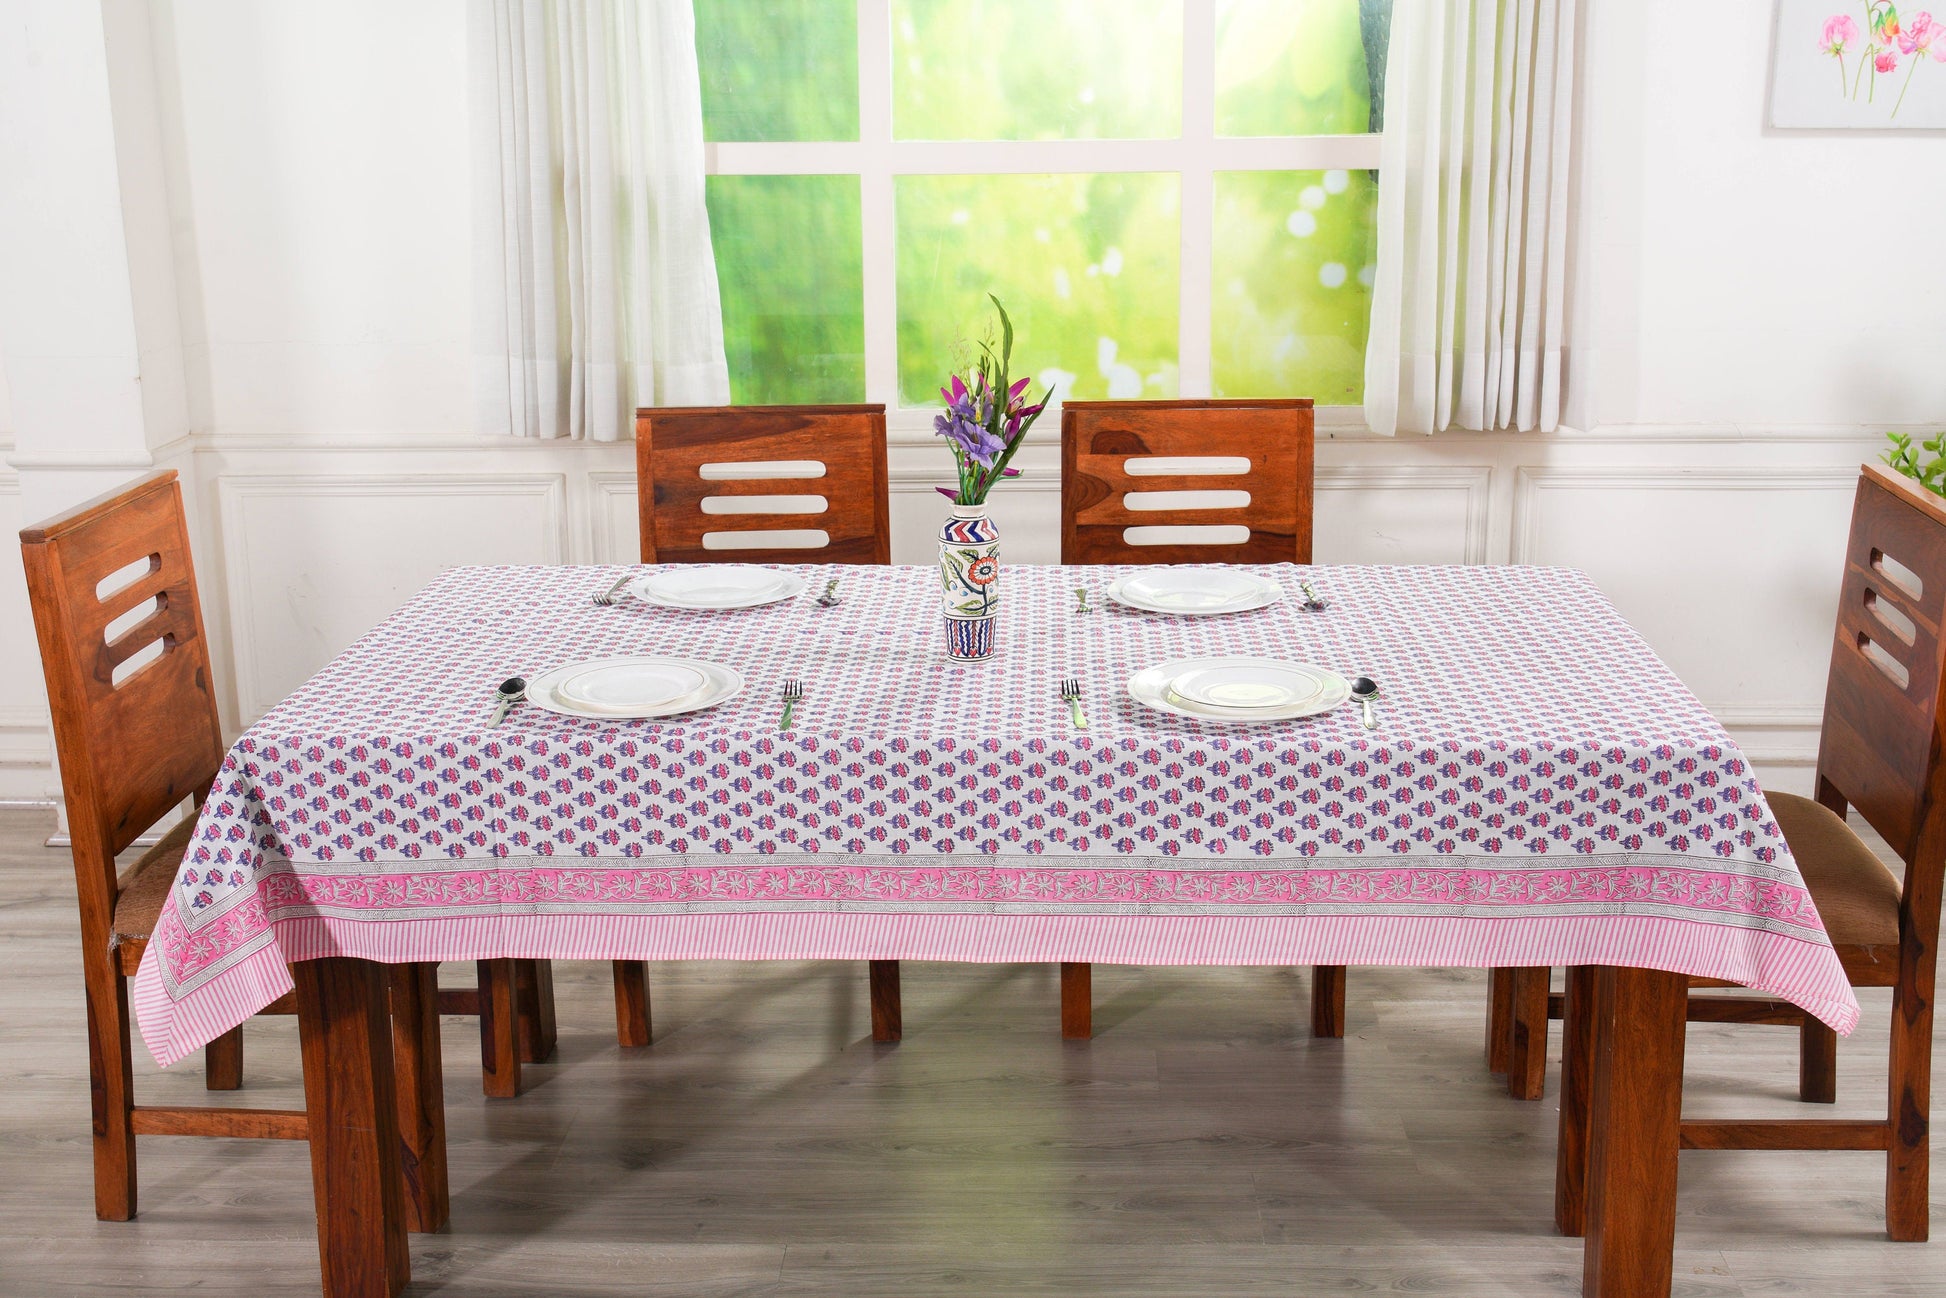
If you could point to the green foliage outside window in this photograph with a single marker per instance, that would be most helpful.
(1089, 265)
(788, 263)
(778, 69)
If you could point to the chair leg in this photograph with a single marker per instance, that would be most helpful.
(1908, 1165)
(888, 1019)
(1077, 1001)
(632, 1003)
(419, 1076)
(1817, 1063)
(1328, 1000)
(223, 1062)
(499, 1030)
(1527, 1049)
(1577, 1070)
(111, 1073)
(534, 992)
(1500, 1018)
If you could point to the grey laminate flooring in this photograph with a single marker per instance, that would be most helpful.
(1202, 1144)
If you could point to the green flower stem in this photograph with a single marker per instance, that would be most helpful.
(1908, 80)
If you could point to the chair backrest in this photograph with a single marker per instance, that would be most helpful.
(128, 673)
(1882, 744)
(1108, 500)
(822, 466)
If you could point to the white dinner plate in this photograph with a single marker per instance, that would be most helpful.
(1247, 685)
(716, 586)
(628, 683)
(1195, 592)
(1294, 690)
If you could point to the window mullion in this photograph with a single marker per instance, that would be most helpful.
(1198, 214)
(877, 215)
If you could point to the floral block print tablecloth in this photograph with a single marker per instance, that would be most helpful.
(1541, 790)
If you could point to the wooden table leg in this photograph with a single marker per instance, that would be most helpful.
(534, 989)
(1328, 1000)
(499, 1030)
(422, 1094)
(350, 1095)
(888, 1019)
(632, 1023)
(1577, 1068)
(1500, 1018)
(1527, 1045)
(1077, 1001)
(1634, 1133)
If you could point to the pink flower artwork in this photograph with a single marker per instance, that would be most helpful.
(1869, 40)
(1839, 31)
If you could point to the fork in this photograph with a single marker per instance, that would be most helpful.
(1071, 695)
(613, 594)
(793, 691)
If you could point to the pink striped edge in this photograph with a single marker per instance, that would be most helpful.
(1800, 971)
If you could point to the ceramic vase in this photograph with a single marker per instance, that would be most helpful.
(969, 580)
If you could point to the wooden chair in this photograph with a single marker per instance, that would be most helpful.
(1882, 752)
(135, 727)
(688, 458)
(1102, 444)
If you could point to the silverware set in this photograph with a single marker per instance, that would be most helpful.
(1071, 695)
(1081, 600)
(1311, 604)
(613, 595)
(1365, 690)
(830, 597)
(511, 691)
(792, 692)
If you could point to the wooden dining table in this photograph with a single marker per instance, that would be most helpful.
(1539, 790)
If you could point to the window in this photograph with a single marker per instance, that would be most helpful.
(1173, 197)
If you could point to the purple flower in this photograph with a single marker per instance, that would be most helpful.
(963, 426)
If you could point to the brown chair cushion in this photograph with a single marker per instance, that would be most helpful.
(146, 884)
(1856, 895)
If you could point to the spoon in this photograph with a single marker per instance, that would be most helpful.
(1365, 689)
(511, 690)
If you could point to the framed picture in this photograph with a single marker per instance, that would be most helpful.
(1858, 64)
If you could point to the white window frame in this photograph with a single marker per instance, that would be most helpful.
(1196, 156)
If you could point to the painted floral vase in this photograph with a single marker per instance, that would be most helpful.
(969, 580)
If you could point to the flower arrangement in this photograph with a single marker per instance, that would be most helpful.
(1928, 473)
(1889, 41)
(986, 418)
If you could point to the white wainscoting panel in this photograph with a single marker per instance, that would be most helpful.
(1401, 513)
(26, 744)
(614, 521)
(314, 561)
(1732, 575)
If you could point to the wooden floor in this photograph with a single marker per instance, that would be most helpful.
(1202, 1144)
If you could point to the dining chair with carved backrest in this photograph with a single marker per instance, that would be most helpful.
(1116, 480)
(114, 601)
(1881, 754)
(818, 477)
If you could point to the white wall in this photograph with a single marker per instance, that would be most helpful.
(1751, 311)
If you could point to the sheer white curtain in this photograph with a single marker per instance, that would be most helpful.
(595, 286)
(1468, 309)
